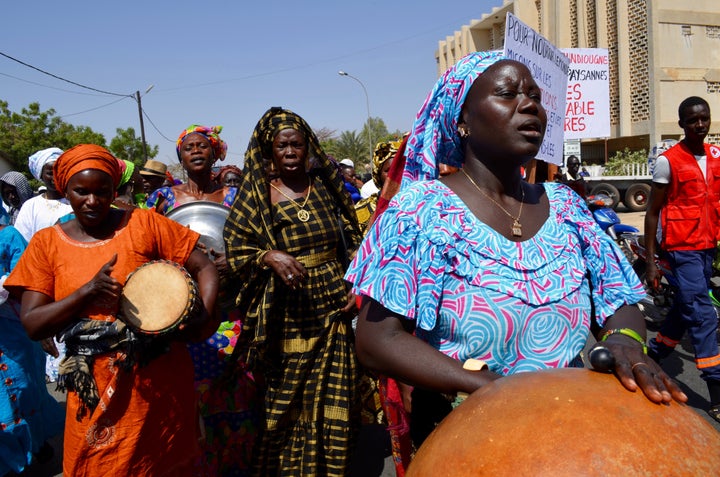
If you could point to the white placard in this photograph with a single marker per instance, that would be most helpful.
(549, 67)
(587, 108)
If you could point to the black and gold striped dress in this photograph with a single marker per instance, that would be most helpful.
(309, 363)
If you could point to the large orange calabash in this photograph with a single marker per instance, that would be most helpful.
(568, 422)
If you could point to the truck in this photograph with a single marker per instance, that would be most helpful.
(632, 188)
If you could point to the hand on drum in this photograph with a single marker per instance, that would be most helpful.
(290, 271)
(103, 288)
(634, 369)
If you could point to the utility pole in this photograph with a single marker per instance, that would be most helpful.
(142, 123)
(142, 126)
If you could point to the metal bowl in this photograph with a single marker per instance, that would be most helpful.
(206, 218)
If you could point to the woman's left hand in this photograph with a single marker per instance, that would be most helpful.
(634, 369)
(351, 306)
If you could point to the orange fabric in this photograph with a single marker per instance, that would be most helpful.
(149, 424)
(82, 157)
(708, 362)
(660, 338)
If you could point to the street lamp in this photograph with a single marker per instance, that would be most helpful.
(142, 123)
(367, 104)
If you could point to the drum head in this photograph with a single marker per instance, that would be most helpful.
(206, 218)
(156, 297)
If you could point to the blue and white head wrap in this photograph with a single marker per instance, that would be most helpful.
(434, 137)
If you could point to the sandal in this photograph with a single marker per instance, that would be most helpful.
(714, 412)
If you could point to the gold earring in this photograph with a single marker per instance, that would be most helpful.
(463, 133)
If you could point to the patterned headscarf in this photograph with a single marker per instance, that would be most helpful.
(127, 169)
(82, 157)
(251, 215)
(40, 158)
(254, 185)
(211, 133)
(21, 184)
(434, 137)
(384, 151)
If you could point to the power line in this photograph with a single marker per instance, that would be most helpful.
(155, 127)
(49, 87)
(92, 109)
(60, 78)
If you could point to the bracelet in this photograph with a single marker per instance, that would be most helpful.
(469, 365)
(630, 333)
(259, 260)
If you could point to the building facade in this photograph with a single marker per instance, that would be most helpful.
(661, 52)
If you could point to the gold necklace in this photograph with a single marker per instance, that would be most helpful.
(516, 226)
(302, 215)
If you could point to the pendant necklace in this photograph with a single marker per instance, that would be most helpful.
(516, 226)
(302, 215)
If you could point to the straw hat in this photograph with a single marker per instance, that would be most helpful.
(153, 168)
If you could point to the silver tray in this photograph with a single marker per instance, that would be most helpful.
(206, 218)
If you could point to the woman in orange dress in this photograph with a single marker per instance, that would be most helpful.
(130, 409)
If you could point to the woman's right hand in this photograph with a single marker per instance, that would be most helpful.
(103, 287)
(285, 266)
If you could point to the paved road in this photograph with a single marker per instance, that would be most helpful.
(376, 461)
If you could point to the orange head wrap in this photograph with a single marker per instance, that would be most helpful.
(82, 157)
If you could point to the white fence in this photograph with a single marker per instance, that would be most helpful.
(632, 170)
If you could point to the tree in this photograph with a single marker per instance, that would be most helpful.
(125, 145)
(325, 134)
(30, 130)
(349, 145)
(618, 164)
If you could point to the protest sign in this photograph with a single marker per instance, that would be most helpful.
(549, 67)
(587, 109)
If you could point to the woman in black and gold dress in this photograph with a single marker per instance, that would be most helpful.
(286, 240)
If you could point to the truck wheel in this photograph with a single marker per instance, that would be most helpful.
(609, 190)
(636, 197)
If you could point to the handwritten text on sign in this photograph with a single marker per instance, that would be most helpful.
(549, 67)
(587, 112)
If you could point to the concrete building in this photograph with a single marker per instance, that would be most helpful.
(661, 51)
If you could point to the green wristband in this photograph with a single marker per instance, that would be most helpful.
(627, 332)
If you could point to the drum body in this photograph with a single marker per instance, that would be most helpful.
(567, 422)
(158, 298)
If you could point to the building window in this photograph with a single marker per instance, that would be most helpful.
(686, 30)
(712, 31)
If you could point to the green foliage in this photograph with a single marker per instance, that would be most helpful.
(32, 129)
(357, 146)
(616, 165)
(125, 145)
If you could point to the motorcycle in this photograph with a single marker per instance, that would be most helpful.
(659, 300)
(600, 206)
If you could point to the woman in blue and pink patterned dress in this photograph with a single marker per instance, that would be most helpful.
(483, 265)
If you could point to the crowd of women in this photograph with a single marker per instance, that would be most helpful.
(473, 265)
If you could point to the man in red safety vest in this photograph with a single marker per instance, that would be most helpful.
(686, 196)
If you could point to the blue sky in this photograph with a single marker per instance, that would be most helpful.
(226, 62)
